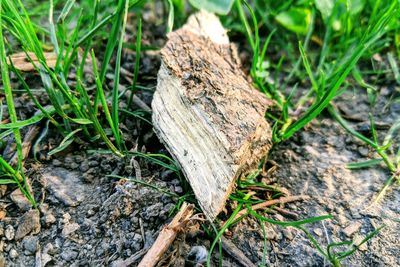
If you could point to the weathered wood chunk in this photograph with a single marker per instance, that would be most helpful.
(206, 112)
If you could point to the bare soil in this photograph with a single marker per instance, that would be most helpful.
(88, 219)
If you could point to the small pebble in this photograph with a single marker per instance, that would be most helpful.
(197, 254)
(74, 166)
(56, 162)
(69, 228)
(357, 240)
(318, 231)
(9, 232)
(31, 244)
(288, 233)
(29, 223)
(342, 219)
(66, 217)
(178, 189)
(270, 233)
(69, 255)
(48, 219)
(352, 228)
(363, 151)
(13, 254)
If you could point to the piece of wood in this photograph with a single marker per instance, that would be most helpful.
(167, 236)
(236, 253)
(206, 111)
(271, 202)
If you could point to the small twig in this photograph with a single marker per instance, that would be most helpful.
(129, 261)
(142, 232)
(268, 203)
(136, 100)
(167, 236)
(236, 253)
(287, 213)
(26, 144)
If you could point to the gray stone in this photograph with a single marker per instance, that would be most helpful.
(30, 244)
(13, 254)
(65, 185)
(153, 210)
(69, 255)
(178, 189)
(363, 151)
(69, 228)
(56, 162)
(29, 223)
(20, 200)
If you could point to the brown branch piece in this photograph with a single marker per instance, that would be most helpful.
(167, 236)
(236, 253)
(207, 113)
(271, 202)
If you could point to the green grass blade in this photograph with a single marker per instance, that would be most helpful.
(137, 60)
(66, 9)
(170, 24)
(8, 92)
(370, 37)
(115, 94)
(68, 139)
(307, 66)
(363, 164)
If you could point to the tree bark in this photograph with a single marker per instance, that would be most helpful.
(207, 113)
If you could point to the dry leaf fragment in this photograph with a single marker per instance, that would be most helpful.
(2, 214)
(22, 60)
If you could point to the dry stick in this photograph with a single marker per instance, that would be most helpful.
(136, 100)
(236, 253)
(167, 236)
(129, 261)
(268, 203)
(287, 213)
(26, 144)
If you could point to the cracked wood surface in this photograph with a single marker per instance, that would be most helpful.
(206, 111)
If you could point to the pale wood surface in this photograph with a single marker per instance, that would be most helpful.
(206, 111)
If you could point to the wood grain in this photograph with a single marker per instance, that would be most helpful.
(206, 111)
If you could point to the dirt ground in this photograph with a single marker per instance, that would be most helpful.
(313, 163)
(86, 218)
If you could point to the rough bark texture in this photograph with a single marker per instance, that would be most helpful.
(206, 112)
